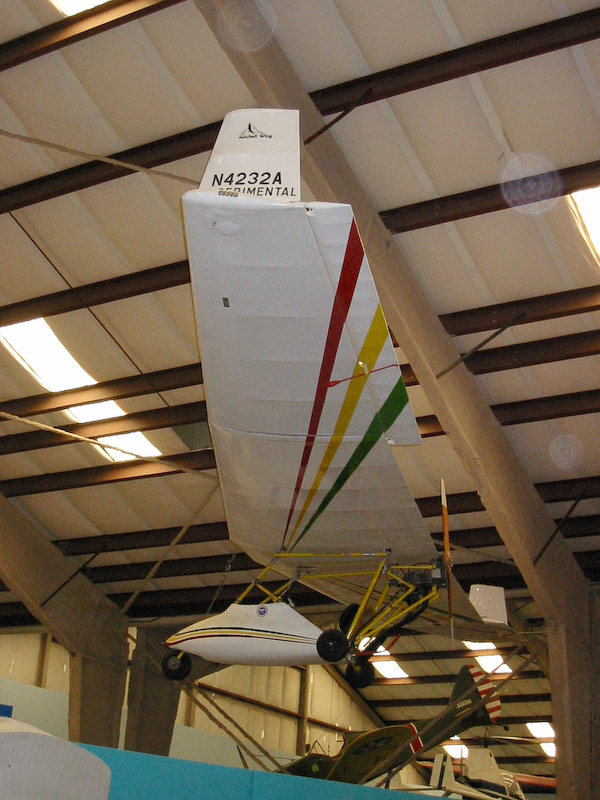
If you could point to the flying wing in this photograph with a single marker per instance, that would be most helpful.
(304, 392)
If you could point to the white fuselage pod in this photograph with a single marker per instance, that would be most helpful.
(270, 634)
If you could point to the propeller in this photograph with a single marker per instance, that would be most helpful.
(447, 555)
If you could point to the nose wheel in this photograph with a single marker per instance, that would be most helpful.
(176, 666)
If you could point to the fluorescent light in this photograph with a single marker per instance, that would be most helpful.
(488, 663)
(91, 412)
(388, 669)
(71, 7)
(587, 212)
(543, 730)
(37, 348)
(134, 442)
(456, 750)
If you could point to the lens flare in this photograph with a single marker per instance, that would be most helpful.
(242, 28)
(530, 184)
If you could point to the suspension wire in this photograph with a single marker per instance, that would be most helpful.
(226, 572)
(175, 541)
(77, 438)
(194, 693)
(115, 162)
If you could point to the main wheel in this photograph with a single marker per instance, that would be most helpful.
(360, 673)
(332, 645)
(176, 667)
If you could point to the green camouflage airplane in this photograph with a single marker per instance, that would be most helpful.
(369, 754)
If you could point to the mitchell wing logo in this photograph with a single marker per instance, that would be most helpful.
(252, 132)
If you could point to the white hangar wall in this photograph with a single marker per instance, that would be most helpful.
(265, 701)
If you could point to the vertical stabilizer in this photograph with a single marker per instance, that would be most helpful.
(257, 154)
(470, 687)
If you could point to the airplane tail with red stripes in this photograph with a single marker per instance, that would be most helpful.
(471, 688)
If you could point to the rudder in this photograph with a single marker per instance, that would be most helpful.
(257, 153)
(471, 685)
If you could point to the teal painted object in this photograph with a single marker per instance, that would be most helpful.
(137, 776)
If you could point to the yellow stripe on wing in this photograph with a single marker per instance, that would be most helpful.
(365, 363)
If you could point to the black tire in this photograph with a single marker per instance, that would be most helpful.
(360, 673)
(332, 645)
(176, 667)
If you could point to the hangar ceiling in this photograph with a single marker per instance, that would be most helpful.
(467, 124)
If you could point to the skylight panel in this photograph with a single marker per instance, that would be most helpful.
(71, 7)
(91, 412)
(134, 442)
(37, 348)
(388, 668)
(543, 730)
(587, 211)
(491, 663)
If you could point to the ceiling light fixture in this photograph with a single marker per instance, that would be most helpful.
(492, 663)
(389, 668)
(71, 7)
(543, 730)
(37, 348)
(585, 205)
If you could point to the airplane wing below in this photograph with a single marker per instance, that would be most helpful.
(303, 388)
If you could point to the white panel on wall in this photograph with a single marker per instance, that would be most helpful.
(19, 656)
(57, 668)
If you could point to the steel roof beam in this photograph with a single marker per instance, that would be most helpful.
(409, 702)
(501, 573)
(486, 199)
(534, 410)
(564, 32)
(172, 603)
(138, 540)
(170, 568)
(459, 503)
(532, 309)
(116, 389)
(457, 323)
(574, 527)
(519, 412)
(76, 28)
(93, 294)
(432, 680)
(108, 473)
(463, 61)
(152, 419)
(550, 492)
(571, 528)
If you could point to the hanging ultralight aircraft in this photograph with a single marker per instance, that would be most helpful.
(304, 398)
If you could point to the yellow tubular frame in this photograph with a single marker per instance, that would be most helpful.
(381, 597)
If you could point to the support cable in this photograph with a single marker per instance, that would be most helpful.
(194, 693)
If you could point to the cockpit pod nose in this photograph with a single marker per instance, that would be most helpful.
(268, 634)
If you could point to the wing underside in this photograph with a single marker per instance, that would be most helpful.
(304, 392)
